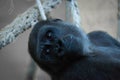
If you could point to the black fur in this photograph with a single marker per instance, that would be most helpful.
(101, 38)
(57, 47)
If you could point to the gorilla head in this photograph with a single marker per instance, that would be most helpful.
(61, 49)
(53, 42)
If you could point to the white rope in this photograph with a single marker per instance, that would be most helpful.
(41, 10)
(73, 11)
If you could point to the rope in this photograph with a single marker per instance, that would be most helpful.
(73, 11)
(41, 10)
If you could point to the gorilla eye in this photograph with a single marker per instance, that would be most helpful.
(47, 49)
(49, 35)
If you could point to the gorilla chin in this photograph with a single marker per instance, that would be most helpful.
(60, 49)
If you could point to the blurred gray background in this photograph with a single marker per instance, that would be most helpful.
(14, 58)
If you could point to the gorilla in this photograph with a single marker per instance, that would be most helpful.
(101, 38)
(65, 52)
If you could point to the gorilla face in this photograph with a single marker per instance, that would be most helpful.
(53, 42)
(49, 44)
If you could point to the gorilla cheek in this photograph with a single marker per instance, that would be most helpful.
(72, 44)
